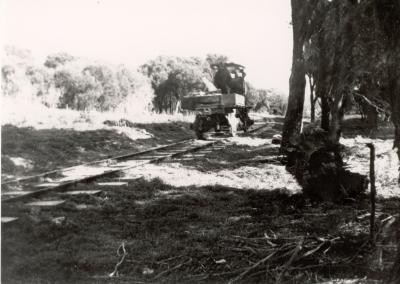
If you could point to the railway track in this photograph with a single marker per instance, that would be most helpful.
(65, 180)
(39, 187)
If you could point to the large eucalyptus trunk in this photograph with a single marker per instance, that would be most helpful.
(387, 12)
(321, 90)
(297, 82)
(394, 95)
(343, 66)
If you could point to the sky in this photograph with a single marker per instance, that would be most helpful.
(254, 33)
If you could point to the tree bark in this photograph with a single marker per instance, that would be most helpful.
(394, 95)
(342, 74)
(311, 82)
(321, 90)
(297, 82)
(325, 112)
(387, 12)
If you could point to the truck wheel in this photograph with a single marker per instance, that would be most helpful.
(198, 127)
(200, 135)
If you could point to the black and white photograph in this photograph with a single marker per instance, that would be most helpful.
(213, 141)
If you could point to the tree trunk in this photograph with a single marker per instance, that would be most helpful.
(297, 82)
(321, 90)
(394, 95)
(387, 12)
(325, 113)
(371, 115)
(343, 65)
(311, 82)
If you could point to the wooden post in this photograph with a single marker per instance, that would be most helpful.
(373, 190)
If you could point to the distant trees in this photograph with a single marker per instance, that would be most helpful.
(175, 77)
(103, 88)
(58, 59)
(216, 59)
(66, 81)
(9, 85)
(269, 100)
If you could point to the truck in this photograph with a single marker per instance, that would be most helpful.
(224, 108)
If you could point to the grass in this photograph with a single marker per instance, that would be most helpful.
(203, 231)
(164, 226)
(36, 139)
(48, 149)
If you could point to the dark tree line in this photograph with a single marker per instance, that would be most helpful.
(350, 51)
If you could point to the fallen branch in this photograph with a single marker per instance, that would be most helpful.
(292, 258)
(169, 259)
(172, 269)
(368, 101)
(124, 253)
(261, 159)
(251, 268)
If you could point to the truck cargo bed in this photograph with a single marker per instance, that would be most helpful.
(214, 101)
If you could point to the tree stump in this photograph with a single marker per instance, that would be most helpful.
(318, 166)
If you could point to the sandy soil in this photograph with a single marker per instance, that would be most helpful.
(212, 167)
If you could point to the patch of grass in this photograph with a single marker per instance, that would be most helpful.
(49, 149)
(189, 227)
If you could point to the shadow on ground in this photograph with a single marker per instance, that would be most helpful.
(355, 126)
(185, 234)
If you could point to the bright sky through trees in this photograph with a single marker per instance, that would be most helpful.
(255, 33)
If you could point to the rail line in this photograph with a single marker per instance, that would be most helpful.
(44, 184)
(62, 179)
(49, 173)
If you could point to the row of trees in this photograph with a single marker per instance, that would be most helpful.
(175, 77)
(66, 81)
(350, 52)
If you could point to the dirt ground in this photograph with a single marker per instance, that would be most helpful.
(226, 214)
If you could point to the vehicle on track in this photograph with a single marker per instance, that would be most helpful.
(224, 108)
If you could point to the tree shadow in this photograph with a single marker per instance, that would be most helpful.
(163, 226)
(354, 126)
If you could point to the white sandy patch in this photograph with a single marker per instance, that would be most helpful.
(263, 177)
(21, 162)
(36, 115)
(248, 141)
(386, 163)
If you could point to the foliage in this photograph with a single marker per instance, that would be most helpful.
(352, 50)
(58, 59)
(66, 81)
(175, 77)
(9, 86)
(213, 58)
